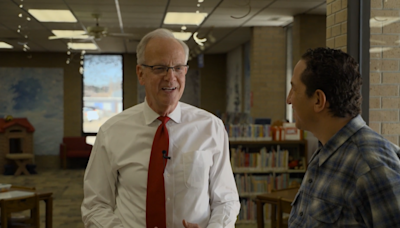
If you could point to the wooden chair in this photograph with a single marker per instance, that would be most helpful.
(284, 206)
(14, 205)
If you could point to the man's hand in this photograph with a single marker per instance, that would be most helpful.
(189, 225)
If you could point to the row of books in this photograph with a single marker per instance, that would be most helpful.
(246, 183)
(250, 183)
(248, 210)
(262, 160)
(248, 132)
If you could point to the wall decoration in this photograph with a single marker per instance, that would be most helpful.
(36, 94)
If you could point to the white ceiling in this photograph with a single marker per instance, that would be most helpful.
(141, 16)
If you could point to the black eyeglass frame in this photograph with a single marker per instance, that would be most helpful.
(166, 67)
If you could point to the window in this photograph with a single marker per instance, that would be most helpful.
(102, 91)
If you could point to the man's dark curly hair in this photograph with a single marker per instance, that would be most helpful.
(336, 74)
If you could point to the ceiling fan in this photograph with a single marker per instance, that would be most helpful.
(96, 32)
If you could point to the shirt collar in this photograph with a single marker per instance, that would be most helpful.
(150, 115)
(340, 138)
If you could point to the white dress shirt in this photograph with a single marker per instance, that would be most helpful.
(199, 184)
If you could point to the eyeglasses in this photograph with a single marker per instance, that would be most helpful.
(163, 70)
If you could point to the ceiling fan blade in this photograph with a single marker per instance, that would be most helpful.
(133, 40)
(56, 37)
(121, 34)
(71, 37)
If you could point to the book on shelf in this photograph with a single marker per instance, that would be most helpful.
(248, 132)
(248, 183)
(261, 160)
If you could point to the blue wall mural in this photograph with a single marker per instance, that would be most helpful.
(38, 95)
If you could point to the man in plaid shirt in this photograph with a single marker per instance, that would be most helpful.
(353, 179)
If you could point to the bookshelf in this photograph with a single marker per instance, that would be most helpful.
(262, 165)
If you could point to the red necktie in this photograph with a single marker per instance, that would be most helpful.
(155, 200)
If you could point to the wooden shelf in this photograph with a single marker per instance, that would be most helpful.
(266, 170)
(246, 222)
(262, 179)
(250, 194)
(267, 142)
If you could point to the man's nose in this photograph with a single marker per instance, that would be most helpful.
(170, 75)
(288, 99)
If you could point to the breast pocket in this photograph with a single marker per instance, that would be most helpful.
(323, 213)
(295, 207)
(196, 168)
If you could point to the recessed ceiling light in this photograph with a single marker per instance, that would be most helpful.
(52, 15)
(184, 18)
(73, 34)
(378, 22)
(82, 46)
(5, 45)
(182, 35)
(379, 49)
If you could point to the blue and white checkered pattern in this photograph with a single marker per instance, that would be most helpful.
(351, 181)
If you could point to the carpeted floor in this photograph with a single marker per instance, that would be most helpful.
(66, 186)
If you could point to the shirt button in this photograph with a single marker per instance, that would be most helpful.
(168, 198)
(301, 213)
(310, 181)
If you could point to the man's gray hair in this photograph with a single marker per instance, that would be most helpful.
(158, 33)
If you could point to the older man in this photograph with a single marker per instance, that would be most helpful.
(161, 163)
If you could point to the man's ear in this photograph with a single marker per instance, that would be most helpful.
(140, 75)
(320, 101)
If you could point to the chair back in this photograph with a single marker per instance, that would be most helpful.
(75, 143)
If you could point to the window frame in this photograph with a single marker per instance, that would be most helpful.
(85, 134)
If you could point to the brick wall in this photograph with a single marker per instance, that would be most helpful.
(212, 82)
(268, 72)
(336, 24)
(308, 32)
(385, 70)
(130, 80)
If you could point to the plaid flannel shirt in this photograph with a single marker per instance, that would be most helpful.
(351, 181)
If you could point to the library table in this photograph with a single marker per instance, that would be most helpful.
(47, 197)
(274, 198)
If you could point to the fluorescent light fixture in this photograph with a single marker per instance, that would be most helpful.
(184, 18)
(377, 41)
(182, 35)
(378, 22)
(43, 15)
(74, 34)
(82, 46)
(379, 49)
(5, 45)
